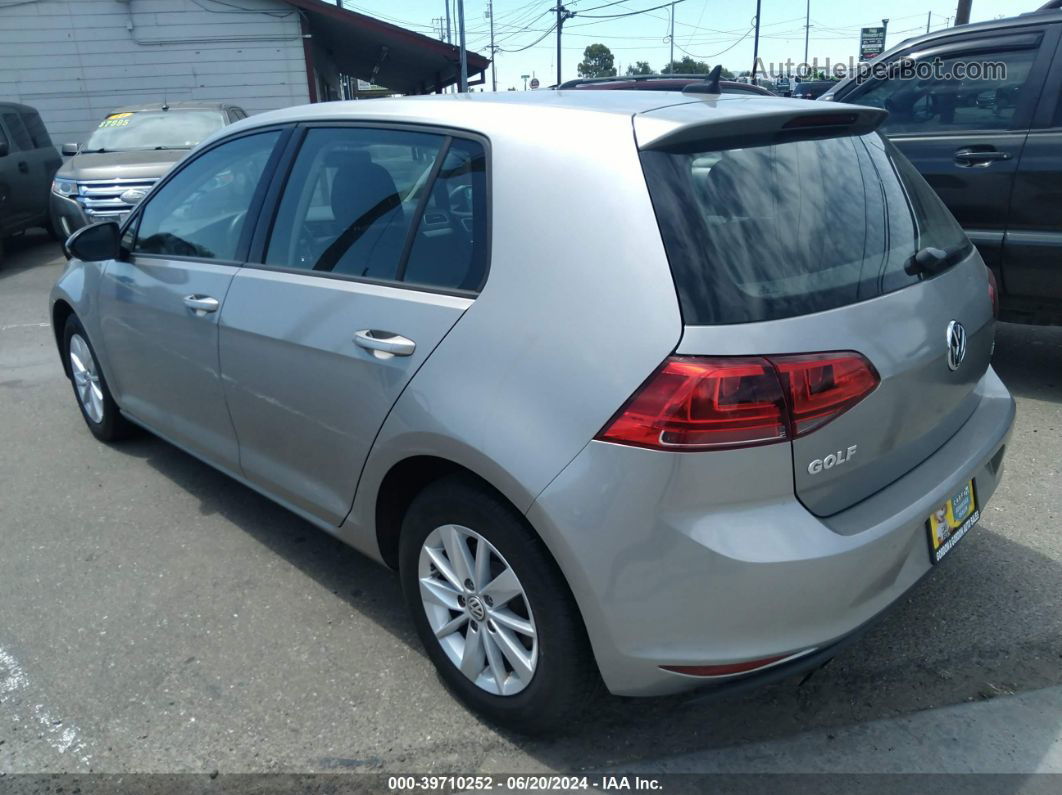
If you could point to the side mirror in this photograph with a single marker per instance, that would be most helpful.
(69, 150)
(3, 148)
(95, 242)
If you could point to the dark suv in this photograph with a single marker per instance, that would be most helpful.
(991, 147)
(27, 162)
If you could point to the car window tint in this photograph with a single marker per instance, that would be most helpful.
(36, 129)
(450, 246)
(767, 232)
(201, 211)
(20, 136)
(350, 201)
(948, 103)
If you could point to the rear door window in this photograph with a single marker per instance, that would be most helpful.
(19, 133)
(384, 205)
(767, 232)
(985, 99)
(37, 131)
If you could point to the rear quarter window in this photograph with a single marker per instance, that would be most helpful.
(37, 131)
(774, 231)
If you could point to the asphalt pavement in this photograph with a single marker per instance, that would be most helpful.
(156, 616)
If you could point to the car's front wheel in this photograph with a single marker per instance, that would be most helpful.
(492, 608)
(90, 387)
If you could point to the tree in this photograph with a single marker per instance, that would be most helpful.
(597, 62)
(640, 68)
(687, 66)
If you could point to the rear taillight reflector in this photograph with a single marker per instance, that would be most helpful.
(993, 291)
(714, 403)
(724, 670)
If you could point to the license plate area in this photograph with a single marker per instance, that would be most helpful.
(951, 521)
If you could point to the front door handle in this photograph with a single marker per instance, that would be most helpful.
(201, 304)
(23, 166)
(384, 344)
(980, 157)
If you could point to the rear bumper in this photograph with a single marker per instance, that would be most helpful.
(708, 559)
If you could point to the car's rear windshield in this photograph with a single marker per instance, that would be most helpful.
(153, 129)
(774, 231)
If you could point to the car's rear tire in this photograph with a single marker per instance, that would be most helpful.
(518, 596)
(91, 392)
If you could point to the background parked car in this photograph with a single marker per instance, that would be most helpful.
(660, 83)
(812, 89)
(991, 148)
(27, 162)
(127, 153)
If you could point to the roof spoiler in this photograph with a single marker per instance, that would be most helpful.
(709, 86)
(688, 124)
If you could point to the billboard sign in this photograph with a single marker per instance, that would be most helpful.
(871, 43)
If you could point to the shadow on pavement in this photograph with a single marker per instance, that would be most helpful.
(30, 250)
(1029, 360)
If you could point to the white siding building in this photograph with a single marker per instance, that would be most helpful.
(75, 60)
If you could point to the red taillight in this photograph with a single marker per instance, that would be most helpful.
(820, 386)
(695, 403)
(701, 403)
(993, 291)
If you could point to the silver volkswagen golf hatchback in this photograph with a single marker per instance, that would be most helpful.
(635, 390)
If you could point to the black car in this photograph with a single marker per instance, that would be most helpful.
(812, 89)
(991, 147)
(28, 160)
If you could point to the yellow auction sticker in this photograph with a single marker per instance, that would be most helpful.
(116, 120)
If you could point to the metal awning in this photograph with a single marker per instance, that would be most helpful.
(386, 54)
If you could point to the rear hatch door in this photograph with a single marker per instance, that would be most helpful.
(798, 238)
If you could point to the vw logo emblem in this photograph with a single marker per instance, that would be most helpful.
(476, 608)
(956, 344)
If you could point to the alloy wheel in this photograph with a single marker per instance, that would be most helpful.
(86, 378)
(478, 609)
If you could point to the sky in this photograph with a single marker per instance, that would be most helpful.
(714, 31)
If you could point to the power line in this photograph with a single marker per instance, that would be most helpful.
(629, 13)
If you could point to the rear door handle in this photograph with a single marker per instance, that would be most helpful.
(201, 304)
(980, 157)
(384, 344)
(23, 166)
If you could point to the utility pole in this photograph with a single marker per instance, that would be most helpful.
(807, 30)
(563, 14)
(671, 38)
(884, 31)
(449, 29)
(929, 20)
(962, 13)
(493, 51)
(756, 44)
(462, 79)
